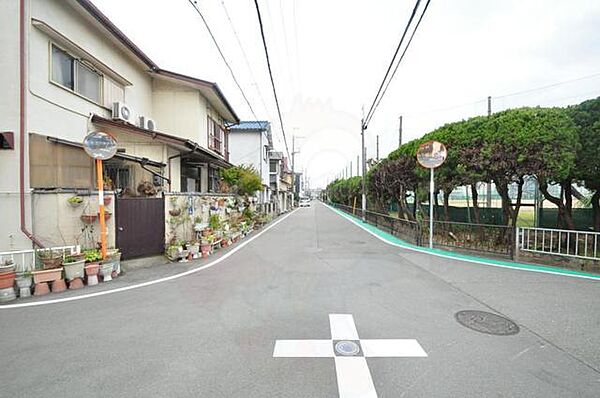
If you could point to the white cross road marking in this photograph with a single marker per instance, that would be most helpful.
(353, 375)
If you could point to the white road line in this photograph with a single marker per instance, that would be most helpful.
(149, 283)
(466, 260)
(342, 327)
(303, 349)
(354, 378)
(392, 348)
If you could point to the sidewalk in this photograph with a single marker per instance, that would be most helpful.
(137, 271)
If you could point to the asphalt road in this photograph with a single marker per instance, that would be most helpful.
(212, 333)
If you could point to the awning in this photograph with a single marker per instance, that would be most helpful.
(124, 156)
(192, 148)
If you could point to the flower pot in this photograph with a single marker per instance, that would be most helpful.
(41, 289)
(7, 294)
(7, 279)
(74, 204)
(52, 262)
(74, 270)
(175, 212)
(194, 249)
(47, 275)
(107, 200)
(58, 286)
(75, 284)
(106, 271)
(88, 218)
(91, 271)
(107, 215)
(24, 285)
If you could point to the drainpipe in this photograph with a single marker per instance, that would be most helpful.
(23, 24)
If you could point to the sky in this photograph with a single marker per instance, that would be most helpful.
(329, 57)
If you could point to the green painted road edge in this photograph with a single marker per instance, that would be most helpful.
(391, 239)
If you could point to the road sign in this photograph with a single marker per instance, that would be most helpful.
(431, 154)
(100, 145)
(349, 352)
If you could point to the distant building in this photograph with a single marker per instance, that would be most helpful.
(249, 144)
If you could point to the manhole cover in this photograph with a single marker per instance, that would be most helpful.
(346, 348)
(486, 322)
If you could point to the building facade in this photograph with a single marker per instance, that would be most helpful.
(250, 143)
(68, 70)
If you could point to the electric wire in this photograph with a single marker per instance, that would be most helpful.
(264, 40)
(402, 56)
(239, 42)
(193, 3)
(414, 11)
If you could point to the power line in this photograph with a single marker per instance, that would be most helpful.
(264, 40)
(403, 54)
(239, 42)
(414, 11)
(548, 86)
(193, 3)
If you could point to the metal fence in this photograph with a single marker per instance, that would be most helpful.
(559, 242)
(493, 239)
(498, 240)
(25, 260)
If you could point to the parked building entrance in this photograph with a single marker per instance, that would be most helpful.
(140, 226)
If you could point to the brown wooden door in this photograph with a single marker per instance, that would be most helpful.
(140, 226)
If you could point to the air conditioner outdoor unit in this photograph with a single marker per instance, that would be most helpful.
(122, 111)
(147, 123)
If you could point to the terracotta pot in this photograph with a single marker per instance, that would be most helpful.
(74, 270)
(76, 283)
(221, 202)
(58, 286)
(92, 269)
(7, 279)
(174, 212)
(206, 248)
(47, 275)
(41, 289)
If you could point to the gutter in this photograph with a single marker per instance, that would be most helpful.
(22, 123)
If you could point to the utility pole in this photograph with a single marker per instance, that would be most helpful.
(350, 169)
(488, 195)
(364, 165)
(377, 157)
(400, 132)
(293, 173)
(357, 165)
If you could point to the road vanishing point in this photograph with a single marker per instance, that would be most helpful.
(315, 306)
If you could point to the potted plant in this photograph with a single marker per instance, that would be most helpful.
(50, 258)
(92, 266)
(7, 265)
(106, 269)
(172, 252)
(107, 215)
(75, 201)
(73, 266)
(194, 248)
(114, 256)
(88, 218)
(107, 200)
(43, 276)
(205, 247)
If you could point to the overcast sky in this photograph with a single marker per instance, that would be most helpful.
(329, 56)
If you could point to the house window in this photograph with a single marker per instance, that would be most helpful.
(273, 167)
(213, 179)
(216, 136)
(76, 76)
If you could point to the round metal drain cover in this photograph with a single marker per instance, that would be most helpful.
(486, 322)
(345, 347)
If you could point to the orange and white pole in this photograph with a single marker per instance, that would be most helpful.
(100, 181)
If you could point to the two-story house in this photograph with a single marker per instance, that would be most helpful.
(280, 181)
(68, 70)
(249, 144)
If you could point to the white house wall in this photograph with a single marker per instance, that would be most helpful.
(180, 110)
